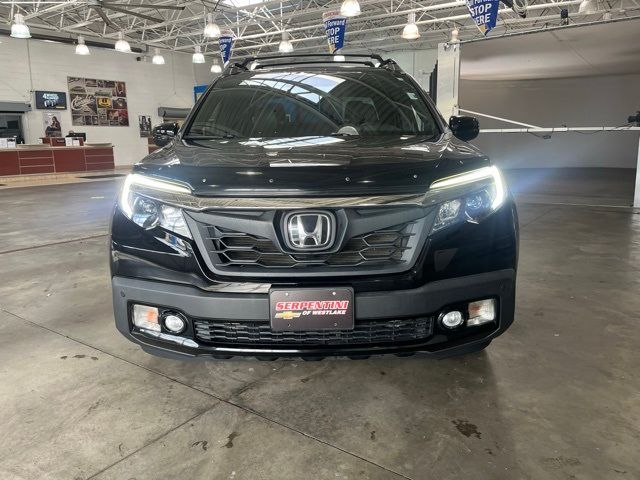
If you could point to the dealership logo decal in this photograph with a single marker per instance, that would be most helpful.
(291, 310)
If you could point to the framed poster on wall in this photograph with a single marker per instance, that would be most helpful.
(144, 122)
(100, 103)
(52, 127)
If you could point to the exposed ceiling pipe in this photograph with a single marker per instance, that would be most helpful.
(51, 9)
(312, 26)
(317, 23)
(150, 25)
(445, 32)
(90, 42)
(300, 13)
(399, 27)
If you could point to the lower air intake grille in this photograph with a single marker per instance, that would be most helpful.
(365, 332)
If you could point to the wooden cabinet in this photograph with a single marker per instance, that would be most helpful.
(25, 161)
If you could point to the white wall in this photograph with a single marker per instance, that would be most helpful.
(417, 63)
(29, 65)
(574, 102)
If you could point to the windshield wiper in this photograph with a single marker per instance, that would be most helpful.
(338, 134)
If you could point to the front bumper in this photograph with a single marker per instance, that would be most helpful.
(425, 301)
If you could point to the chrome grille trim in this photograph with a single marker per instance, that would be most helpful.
(204, 203)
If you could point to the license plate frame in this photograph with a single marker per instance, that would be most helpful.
(297, 309)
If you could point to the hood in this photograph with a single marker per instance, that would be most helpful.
(312, 166)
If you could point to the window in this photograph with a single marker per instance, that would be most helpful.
(281, 104)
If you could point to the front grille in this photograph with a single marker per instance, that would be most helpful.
(379, 248)
(364, 332)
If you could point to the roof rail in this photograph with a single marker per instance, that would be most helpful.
(369, 60)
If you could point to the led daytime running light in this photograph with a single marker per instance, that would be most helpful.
(144, 181)
(474, 176)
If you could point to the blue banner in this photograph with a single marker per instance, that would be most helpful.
(484, 13)
(198, 90)
(335, 25)
(226, 44)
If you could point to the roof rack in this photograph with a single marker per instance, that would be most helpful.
(369, 60)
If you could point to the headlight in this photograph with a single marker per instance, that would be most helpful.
(469, 197)
(150, 213)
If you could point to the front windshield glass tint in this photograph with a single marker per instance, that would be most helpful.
(302, 104)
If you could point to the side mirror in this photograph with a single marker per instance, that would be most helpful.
(164, 133)
(464, 128)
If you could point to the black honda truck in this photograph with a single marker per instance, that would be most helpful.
(312, 208)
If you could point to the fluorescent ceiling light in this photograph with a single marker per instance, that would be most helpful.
(157, 59)
(19, 29)
(338, 58)
(410, 30)
(81, 47)
(350, 8)
(122, 45)
(285, 45)
(211, 30)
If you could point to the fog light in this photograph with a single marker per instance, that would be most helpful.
(146, 317)
(452, 319)
(481, 312)
(174, 323)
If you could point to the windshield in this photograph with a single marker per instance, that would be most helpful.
(301, 104)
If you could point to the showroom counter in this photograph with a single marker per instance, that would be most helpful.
(46, 159)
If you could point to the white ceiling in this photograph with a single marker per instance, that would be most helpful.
(604, 49)
(258, 24)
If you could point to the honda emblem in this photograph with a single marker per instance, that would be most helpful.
(309, 231)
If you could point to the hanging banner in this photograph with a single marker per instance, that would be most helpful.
(226, 44)
(484, 13)
(335, 25)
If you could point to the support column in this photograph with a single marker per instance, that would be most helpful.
(636, 194)
(448, 79)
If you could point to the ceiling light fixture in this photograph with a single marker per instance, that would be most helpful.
(588, 7)
(122, 45)
(338, 58)
(198, 57)
(157, 59)
(216, 68)
(81, 47)
(410, 30)
(455, 36)
(285, 45)
(350, 8)
(211, 29)
(19, 29)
